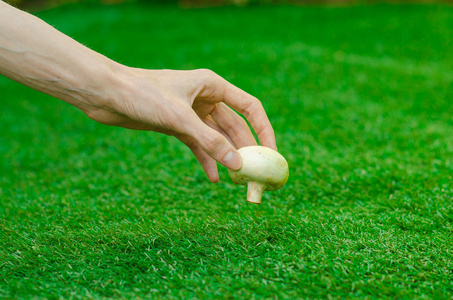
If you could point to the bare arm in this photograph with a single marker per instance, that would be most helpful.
(191, 105)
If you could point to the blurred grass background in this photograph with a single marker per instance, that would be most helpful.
(360, 99)
(36, 5)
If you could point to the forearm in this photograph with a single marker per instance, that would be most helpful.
(37, 55)
(191, 105)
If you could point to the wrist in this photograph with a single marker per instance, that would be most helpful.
(104, 88)
(123, 85)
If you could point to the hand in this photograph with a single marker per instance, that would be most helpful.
(191, 105)
(194, 107)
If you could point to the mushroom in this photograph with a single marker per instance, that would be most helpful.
(263, 169)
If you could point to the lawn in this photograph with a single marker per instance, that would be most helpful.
(361, 102)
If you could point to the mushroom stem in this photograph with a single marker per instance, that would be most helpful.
(255, 191)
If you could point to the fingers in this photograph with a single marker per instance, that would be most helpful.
(214, 143)
(208, 120)
(253, 110)
(216, 89)
(233, 125)
(209, 165)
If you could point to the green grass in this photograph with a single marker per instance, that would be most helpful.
(361, 102)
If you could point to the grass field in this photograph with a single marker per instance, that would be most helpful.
(361, 102)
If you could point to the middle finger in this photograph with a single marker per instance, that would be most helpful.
(233, 125)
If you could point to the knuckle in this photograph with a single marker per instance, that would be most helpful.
(236, 128)
(206, 74)
(254, 105)
(212, 85)
(212, 141)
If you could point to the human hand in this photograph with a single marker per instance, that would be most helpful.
(191, 105)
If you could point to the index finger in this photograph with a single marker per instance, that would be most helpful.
(253, 110)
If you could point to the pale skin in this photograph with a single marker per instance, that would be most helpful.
(195, 106)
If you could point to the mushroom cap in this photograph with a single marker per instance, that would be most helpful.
(263, 165)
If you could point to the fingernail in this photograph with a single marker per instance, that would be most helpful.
(233, 160)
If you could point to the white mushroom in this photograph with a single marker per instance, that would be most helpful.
(263, 169)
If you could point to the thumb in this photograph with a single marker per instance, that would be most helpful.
(216, 146)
